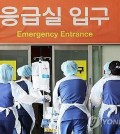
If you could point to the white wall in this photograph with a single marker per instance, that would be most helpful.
(110, 53)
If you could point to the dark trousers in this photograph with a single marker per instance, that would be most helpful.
(7, 123)
(110, 126)
(77, 126)
(26, 123)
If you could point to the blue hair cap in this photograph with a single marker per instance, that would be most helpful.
(6, 73)
(69, 68)
(106, 68)
(25, 71)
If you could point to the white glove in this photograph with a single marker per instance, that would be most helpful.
(47, 98)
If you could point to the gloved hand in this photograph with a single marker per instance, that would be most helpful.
(47, 98)
(45, 123)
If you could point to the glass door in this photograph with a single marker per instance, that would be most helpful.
(16, 56)
(62, 53)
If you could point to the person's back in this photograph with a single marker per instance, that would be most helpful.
(6, 98)
(6, 101)
(23, 85)
(112, 91)
(10, 93)
(70, 95)
(25, 112)
(73, 90)
(108, 93)
(21, 110)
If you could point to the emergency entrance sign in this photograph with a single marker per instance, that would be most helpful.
(59, 21)
(82, 69)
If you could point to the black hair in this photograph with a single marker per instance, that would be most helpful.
(114, 67)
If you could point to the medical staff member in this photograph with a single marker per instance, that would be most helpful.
(107, 94)
(26, 112)
(9, 93)
(69, 99)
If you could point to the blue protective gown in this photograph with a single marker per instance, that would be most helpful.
(26, 112)
(107, 92)
(111, 96)
(24, 117)
(10, 95)
(7, 123)
(71, 90)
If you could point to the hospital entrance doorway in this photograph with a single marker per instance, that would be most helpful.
(88, 59)
(36, 52)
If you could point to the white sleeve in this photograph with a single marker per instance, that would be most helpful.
(20, 95)
(38, 95)
(56, 99)
(34, 92)
(87, 96)
(96, 93)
